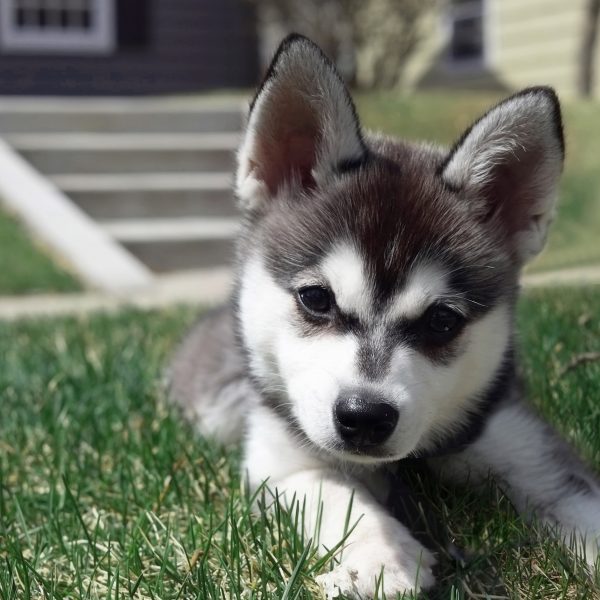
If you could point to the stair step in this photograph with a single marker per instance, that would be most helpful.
(148, 160)
(155, 173)
(125, 182)
(152, 122)
(175, 244)
(162, 257)
(123, 141)
(20, 115)
(171, 230)
(121, 104)
(166, 256)
(148, 204)
(127, 153)
(146, 196)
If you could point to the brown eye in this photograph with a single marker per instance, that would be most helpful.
(443, 320)
(316, 299)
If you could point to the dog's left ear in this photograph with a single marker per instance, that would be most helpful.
(508, 166)
(302, 126)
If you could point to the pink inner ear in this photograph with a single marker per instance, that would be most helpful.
(513, 190)
(289, 158)
(301, 156)
(287, 139)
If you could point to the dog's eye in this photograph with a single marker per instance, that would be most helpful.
(316, 299)
(442, 320)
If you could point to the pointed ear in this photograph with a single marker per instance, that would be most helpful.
(302, 126)
(508, 166)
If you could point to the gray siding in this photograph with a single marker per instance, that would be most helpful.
(187, 45)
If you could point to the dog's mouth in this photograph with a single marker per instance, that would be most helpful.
(363, 454)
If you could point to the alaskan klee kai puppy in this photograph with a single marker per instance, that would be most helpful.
(373, 317)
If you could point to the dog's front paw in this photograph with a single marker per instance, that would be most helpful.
(376, 565)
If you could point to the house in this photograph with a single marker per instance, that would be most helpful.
(101, 47)
(506, 44)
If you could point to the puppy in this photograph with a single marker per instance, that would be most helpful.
(373, 318)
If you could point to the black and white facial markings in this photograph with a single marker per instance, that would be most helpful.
(377, 267)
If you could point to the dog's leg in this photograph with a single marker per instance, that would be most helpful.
(539, 472)
(377, 547)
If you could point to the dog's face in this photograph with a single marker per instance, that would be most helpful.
(378, 278)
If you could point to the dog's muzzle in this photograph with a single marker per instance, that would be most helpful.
(363, 420)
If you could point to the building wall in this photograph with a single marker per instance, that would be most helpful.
(538, 42)
(528, 42)
(177, 46)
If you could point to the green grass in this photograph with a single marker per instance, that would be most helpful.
(25, 268)
(575, 236)
(105, 493)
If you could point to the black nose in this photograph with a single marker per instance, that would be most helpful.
(363, 420)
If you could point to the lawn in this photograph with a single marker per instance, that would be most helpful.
(24, 267)
(575, 237)
(105, 493)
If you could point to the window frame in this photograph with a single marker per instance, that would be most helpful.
(453, 13)
(99, 39)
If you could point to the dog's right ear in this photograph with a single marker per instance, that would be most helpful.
(302, 127)
(508, 166)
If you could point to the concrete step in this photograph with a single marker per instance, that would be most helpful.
(127, 153)
(167, 256)
(152, 195)
(170, 230)
(155, 173)
(175, 244)
(166, 115)
(143, 182)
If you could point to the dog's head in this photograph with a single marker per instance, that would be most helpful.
(378, 277)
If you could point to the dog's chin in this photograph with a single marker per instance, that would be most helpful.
(365, 456)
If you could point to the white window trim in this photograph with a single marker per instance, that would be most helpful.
(473, 65)
(99, 39)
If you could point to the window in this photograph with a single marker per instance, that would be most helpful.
(466, 33)
(64, 26)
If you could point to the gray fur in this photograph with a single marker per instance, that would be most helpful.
(208, 378)
(537, 470)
